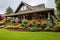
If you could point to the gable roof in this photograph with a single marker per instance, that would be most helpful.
(21, 4)
(31, 7)
(39, 6)
(34, 9)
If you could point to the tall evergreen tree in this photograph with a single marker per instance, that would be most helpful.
(9, 10)
(58, 7)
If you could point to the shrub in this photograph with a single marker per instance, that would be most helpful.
(44, 26)
(34, 29)
(57, 22)
(25, 21)
(33, 25)
(28, 28)
(48, 28)
(13, 21)
(39, 25)
(20, 27)
(44, 22)
(16, 26)
(30, 25)
(33, 22)
(25, 25)
(4, 20)
(8, 26)
(2, 24)
(40, 28)
(57, 28)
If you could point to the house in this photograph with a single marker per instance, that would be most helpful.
(38, 13)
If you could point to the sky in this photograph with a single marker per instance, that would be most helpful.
(4, 4)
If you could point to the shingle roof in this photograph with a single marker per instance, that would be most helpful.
(39, 6)
(23, 3)
(31, 7)
(31, 11)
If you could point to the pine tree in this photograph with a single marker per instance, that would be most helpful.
(9, 10)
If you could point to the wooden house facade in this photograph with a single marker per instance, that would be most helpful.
(38, 13)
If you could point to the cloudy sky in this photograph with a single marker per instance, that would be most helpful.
(14, 3)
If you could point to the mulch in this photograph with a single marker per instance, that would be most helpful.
(21, 30)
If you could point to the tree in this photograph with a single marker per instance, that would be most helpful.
(58, 7)
(9, 10)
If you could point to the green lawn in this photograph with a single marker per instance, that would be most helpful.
(11, 35)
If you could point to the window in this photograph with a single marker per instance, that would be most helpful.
(23, 8)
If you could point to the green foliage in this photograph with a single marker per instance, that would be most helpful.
(21, 27)
(25, 21)
(8, 26)
(58, 5)
(34, 29)
(11, 26)
(33, 25)
(2, 24)
(25, 25)
(57, 28)
(34, 22)
(40, 28)
(57, 22)
(48, 28)
(58, 8)
(15, 27)
(52, 17)
(13, 21)
(9, 11)
(44, 26)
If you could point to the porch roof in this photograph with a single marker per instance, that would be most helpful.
(30, 11)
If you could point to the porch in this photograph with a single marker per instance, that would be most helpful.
(39, 17)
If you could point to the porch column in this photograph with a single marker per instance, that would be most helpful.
(49, 20)
(6, 19)
(11, 18)
(34, 16)
(23, 16)
(14, 18)
(48, 16)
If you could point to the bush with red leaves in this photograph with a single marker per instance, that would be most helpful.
(1, 17)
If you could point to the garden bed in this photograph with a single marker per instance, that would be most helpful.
(23, 30)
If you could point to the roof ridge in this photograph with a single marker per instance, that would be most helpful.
(23, 4)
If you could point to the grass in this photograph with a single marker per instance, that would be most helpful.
(11, 35)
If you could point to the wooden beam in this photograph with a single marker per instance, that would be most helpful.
(6, 19)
